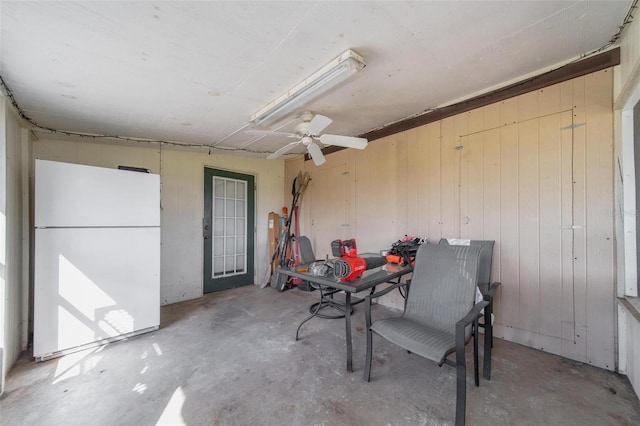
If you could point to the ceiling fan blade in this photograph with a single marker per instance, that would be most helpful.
(270, 133)
(345, 141)
(288, 147)
(316, 154)
(318, 124)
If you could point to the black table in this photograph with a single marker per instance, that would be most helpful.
(371, 278)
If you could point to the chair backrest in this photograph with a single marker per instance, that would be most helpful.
(443, 286)
(305, 251)
(486, 257)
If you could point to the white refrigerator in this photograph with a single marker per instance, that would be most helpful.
(97, 256)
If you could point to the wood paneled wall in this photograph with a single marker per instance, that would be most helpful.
(534, 173)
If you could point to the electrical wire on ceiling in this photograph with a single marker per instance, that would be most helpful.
(626, 21)
(213, 146)
(9, 93)
(612, 41)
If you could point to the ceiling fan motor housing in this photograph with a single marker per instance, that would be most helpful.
(306, 116)
(301, 128)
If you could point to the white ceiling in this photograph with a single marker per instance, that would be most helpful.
(194, 72)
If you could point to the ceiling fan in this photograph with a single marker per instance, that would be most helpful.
(308, 132)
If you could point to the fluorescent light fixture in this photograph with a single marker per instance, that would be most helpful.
(317, 84)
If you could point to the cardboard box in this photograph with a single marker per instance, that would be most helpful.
(274, 232)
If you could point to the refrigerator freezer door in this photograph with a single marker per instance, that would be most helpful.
(93, 284)
(73, 195)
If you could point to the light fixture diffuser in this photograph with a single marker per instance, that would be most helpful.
(317, 84)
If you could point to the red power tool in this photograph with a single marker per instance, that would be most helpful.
(350, 266)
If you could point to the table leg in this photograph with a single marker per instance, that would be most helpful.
(347, 322)
(313, 314)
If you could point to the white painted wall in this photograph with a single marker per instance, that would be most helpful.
(626, 94)
(182, 201)
(14, 238)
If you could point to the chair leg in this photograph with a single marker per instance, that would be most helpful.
(367, 363)
(490, 323)
(476, 374)
(488, 341)
(461, 378)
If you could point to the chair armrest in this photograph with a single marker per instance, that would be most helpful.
(488, 290)
(461, 325)
(491, 291)
(471, 316)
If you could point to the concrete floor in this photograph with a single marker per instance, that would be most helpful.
(230, 358)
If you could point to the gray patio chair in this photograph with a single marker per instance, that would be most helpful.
(304, 249)
(326, 296)
(439, 314)
(488, 290)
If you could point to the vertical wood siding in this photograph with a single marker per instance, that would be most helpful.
(534, 173)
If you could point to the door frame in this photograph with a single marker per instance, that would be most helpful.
(218, 284)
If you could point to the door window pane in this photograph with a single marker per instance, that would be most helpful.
(229, 221)
(218, 266)
(240, 210)
(229, 265)
(231, 209)
(239, 263)
(218, 245)
(230, 247)
(218, 227)
(218, 184)
(240, 225)
(230, 228)
(218, 207)
(242, 190)
(231, 189)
